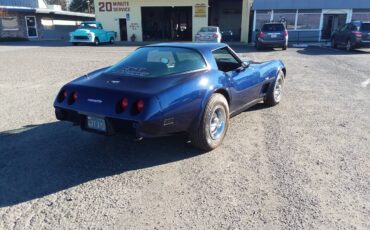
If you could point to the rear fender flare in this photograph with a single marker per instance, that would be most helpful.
(224, 91)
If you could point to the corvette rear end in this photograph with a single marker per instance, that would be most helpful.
(171, 88)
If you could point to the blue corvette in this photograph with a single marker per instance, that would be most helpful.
(171, 88)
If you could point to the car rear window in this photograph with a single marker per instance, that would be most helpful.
(273, 27)
(208, 29)
(365, 26)
(149, 62)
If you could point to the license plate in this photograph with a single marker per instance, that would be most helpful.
(273, 36)
(96, 124)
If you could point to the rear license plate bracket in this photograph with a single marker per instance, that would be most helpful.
(96, 123)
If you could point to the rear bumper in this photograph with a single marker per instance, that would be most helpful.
(215, 40)
(277, 43)
(114, 126)
(362, 44)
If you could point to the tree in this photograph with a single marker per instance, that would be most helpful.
(81, 6)
(63, 3)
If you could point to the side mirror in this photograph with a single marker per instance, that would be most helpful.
(244, 66)
(257, 30)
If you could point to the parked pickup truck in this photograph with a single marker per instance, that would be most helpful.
(91, 32)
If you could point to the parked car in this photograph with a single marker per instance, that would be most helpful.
(227, 36)
(209, 34)
(171, 88)
(273, 35)
(352, 35)
(91, 32)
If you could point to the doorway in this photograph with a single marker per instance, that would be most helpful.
(331, 23)
(167, 23)
(123, 29)
(31, 26)
(226, 14)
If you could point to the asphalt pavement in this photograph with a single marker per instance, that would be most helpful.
(303, 164)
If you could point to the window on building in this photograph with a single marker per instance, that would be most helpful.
(361, 15)
(9, 23)
(287, 17)
(308, 20)
(262, 17)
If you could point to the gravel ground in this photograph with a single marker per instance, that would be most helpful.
(303, 164)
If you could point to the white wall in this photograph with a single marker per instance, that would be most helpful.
(110, 20)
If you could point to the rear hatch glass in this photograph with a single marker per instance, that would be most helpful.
(208, 30)
(273, 27)
(274, 31)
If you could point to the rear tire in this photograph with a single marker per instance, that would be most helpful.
(285, 47)
(334, 45)
(74, 43)
(214, 124)
(111, 41)
(258, 46)
(349, 46)
(274, 96)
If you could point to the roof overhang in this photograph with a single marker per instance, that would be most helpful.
(44, 11)
(310, 4)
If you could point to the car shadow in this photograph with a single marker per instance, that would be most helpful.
(314, 51)
(39, 160)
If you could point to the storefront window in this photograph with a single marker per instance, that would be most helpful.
(9, 23)
(308, 20)
(361, 15)
(286, 16)
(262, 17)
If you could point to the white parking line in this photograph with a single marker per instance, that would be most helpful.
(365, 83)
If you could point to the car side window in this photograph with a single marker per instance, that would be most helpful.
(225, 60)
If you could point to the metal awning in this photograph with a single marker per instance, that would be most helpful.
(44, 11)
(310, 4)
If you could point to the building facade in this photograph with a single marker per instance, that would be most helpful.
(172, 20)
(310, 20)
(35, 20)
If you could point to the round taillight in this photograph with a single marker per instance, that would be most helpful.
(122, 105)
(72, 98)
(62, 95)
(139, 105)
(75, 96)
